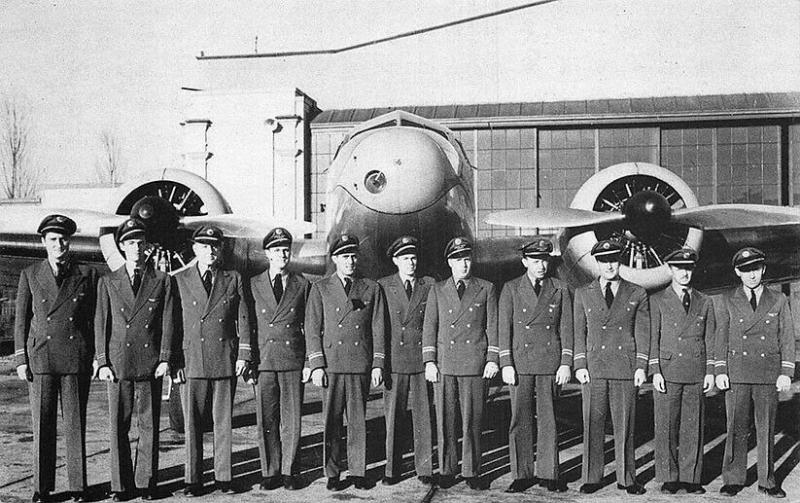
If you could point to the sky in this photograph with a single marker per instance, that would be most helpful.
(87, 66)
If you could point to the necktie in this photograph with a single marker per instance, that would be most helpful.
(753, 301)
(537, 287)
(409, 289)
(686, 299)
(136, 282)
(460, 289)
(61, 269)
(277, 288)
(609, 295)
(207, 281)
(347, 284)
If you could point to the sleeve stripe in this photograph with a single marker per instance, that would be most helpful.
(318, 354)
(428, 348)
(720, 364)
(653, 361)
(580, 355)
(378, 355)
(788, 365)
(505, 352)
(493, 349)
(641, 356)
(19, 352)
(566, 351)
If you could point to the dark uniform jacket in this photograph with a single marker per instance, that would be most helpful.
(212, 325)
(460, 336)
(134, 334)
(345, 333)
(535, 334)
(53, 329)
(281, 342)
(611, 343)
(754, 347)
(681, 344)
(405, 322)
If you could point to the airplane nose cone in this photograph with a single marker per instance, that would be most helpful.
(396, 170)
(647, 212)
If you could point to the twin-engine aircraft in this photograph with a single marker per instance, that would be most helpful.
(403, 174)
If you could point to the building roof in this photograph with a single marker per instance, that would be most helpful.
(654, 109)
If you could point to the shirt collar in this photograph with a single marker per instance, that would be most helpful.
(273, 275)
(403, 279)
(680, 289)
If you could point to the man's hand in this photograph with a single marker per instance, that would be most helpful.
(179, 377)
(563, 375)
(106, 374)
(241, 366)
(431, 372)
(306, 375)
(377, 377)
(639, 377)
(509, 375)
(95, 368)
(24, 373)
(490, 370)
(161, 370)
(582, 375)
(319, 378)
(722, 382)
(708, 383)
(658, 383)
(783, 383)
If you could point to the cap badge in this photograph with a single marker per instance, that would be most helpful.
(457, 241)
(210, 232)
(606, 246)
(745, 254)
(60, 219)
(406, 241)
(279, 232)
(130, 223)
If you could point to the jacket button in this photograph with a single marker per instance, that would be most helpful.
(762, 355)
(451, 342)
(202, 320)
(524, 310)
(147, 325)
(680, 338)
(680, 354)
(127, 326)
(527, 327)
(337, 309)
(340, 342)
(467, 341)
(220, 320)
(340, 325)
(547, 327)
(452, 326)
(604, 327)
(744, 353)
(470, 309)
(526, 344)
(44, 300)
(767, 322)
(449, 310)
(620, 348)
(287, 343)
(744, 337)
(401, 343)
(356, 326)
(287, 326)
(202, 339)
(620, 328)
(468, 325)
(70, 318)
(762, 337)
(194, 303)
(146, 345)
(220, 339)
(122, 309)
(48, 318)
(356, 343)
(398, 312)
(741, 320)
(263, 310)
(72, 337)
(151, 309)
(272, 324)
(675, 324)
(403, 328)
(602, 347)
(49, 337)
(419, 343)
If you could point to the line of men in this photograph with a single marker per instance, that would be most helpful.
(424, 341)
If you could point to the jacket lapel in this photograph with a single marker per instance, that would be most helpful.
(676, 304)
(218, 289)
(416, 297)
(542, 302)
(145, 289)
(451, 295)
(343, 300)
(742, 305)
(765, 303)
(620, 299)
(68, 287)
(264, 289)
(290, 290)
(472, 290)
(119, 280)
(46, 279)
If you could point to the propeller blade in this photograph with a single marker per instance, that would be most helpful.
(736, 216)
(24, 219)
(551, 218)
(236, 226)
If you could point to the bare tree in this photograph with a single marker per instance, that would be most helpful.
(20, 174)
(109, 166)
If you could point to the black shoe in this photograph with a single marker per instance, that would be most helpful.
(775, 492)
(334, 484)
(519, 485)
(290, 482)
(122, 496)
(591, 487)
(224, 486)
(694, 488)
(390, 481)
(41, 497)
(270, 483)
(730, 489)
(426, 479)
(553, 485)
(192, 490)
(446, 481)
(670, 487)
(361, 483)
(476, 484)
(79, 497)
(635, 489)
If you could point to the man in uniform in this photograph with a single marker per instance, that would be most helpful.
(612, 343)
(279, 298)
(535, 331)
(406, 295)
(681, 363)
(215, 318)
(53, 342)
(345, 339)
(755, 351)
(459, 347)
(133, 342)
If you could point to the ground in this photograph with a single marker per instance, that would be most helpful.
(16, 461)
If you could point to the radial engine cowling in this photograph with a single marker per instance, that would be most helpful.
(646, 194)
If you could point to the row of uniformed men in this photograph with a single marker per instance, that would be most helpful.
(445, 332)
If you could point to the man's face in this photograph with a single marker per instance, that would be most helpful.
(751, 276)
(207, 255)
(133, 249)
(345, 263)
(537, 267)
(609, 270)
(406, 264)
(279, 257)
(681, 275)
(56, 245)
(460, 267)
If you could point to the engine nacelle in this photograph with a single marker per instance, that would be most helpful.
(609, 190)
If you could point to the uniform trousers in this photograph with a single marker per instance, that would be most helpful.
(279, 401)
(345, 394)
(194, 398)
(466, 394)
(520, 432)
(738, 404)
(145, 398)
(395, 401)
(679, 423)
(44, 396)
(598, 395)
